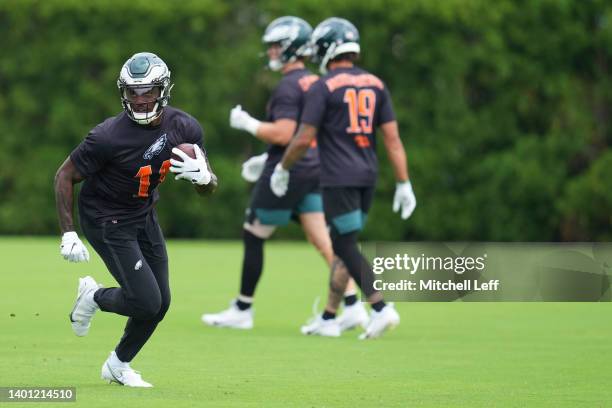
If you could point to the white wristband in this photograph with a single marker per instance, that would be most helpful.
(406, 182)
(70, 234)
(251, 125)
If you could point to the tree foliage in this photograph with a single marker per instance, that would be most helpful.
(504, 107)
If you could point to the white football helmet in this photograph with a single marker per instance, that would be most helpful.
(333, 37)
(144, 75)
(293, 35)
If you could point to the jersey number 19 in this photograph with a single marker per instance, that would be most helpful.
(361, 106)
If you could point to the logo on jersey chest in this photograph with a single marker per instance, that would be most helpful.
(155, 148)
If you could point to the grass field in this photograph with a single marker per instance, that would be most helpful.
(447, 354)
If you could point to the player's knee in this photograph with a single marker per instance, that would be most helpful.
(147, 308)
(249, 238)
(165, 305)
(341, 243)
(149, 311)
(259, 230)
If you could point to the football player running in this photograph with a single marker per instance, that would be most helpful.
(287, 40)
(342, 110)
(122, 161)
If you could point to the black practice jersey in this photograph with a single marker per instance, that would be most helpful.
(287, 102)
(124, 162)
(346, 106)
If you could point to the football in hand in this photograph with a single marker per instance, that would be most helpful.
(187, 148)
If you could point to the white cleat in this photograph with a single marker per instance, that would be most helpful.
(353, 316)
(387, 318)
(319, 327)
(122, 374)
(233, 318)
(84, 307)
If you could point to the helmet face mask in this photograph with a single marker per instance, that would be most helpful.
(144, 84)
(291, 35)
(274, 52)
(143, 101)
(333, 37)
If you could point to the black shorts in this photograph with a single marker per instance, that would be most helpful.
(303, 196)
(346, 208)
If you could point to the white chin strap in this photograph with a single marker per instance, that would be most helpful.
(275, 65)
(144, 118)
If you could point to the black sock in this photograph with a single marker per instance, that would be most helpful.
(252, 264)
(378, 306)
(350, 300)
(328, 315)
(243, 305)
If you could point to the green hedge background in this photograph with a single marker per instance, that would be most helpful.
(504, 107)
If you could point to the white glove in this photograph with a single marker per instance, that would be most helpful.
(240, 119)
(252, 168)
(194, 170)
(279, 182)
(72, 249)
(404, 198)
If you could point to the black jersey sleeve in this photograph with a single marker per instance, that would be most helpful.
(315, 104)
(93, 153)
(286, 103)
(385, 111)
(194, 133)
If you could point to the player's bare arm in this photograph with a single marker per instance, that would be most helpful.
(65, 178)
(299, 145)
(278, 132)
(279, 181)
(404, 200)
(395, 150)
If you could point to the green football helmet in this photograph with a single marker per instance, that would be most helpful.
(293, 35)
(331, 38)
